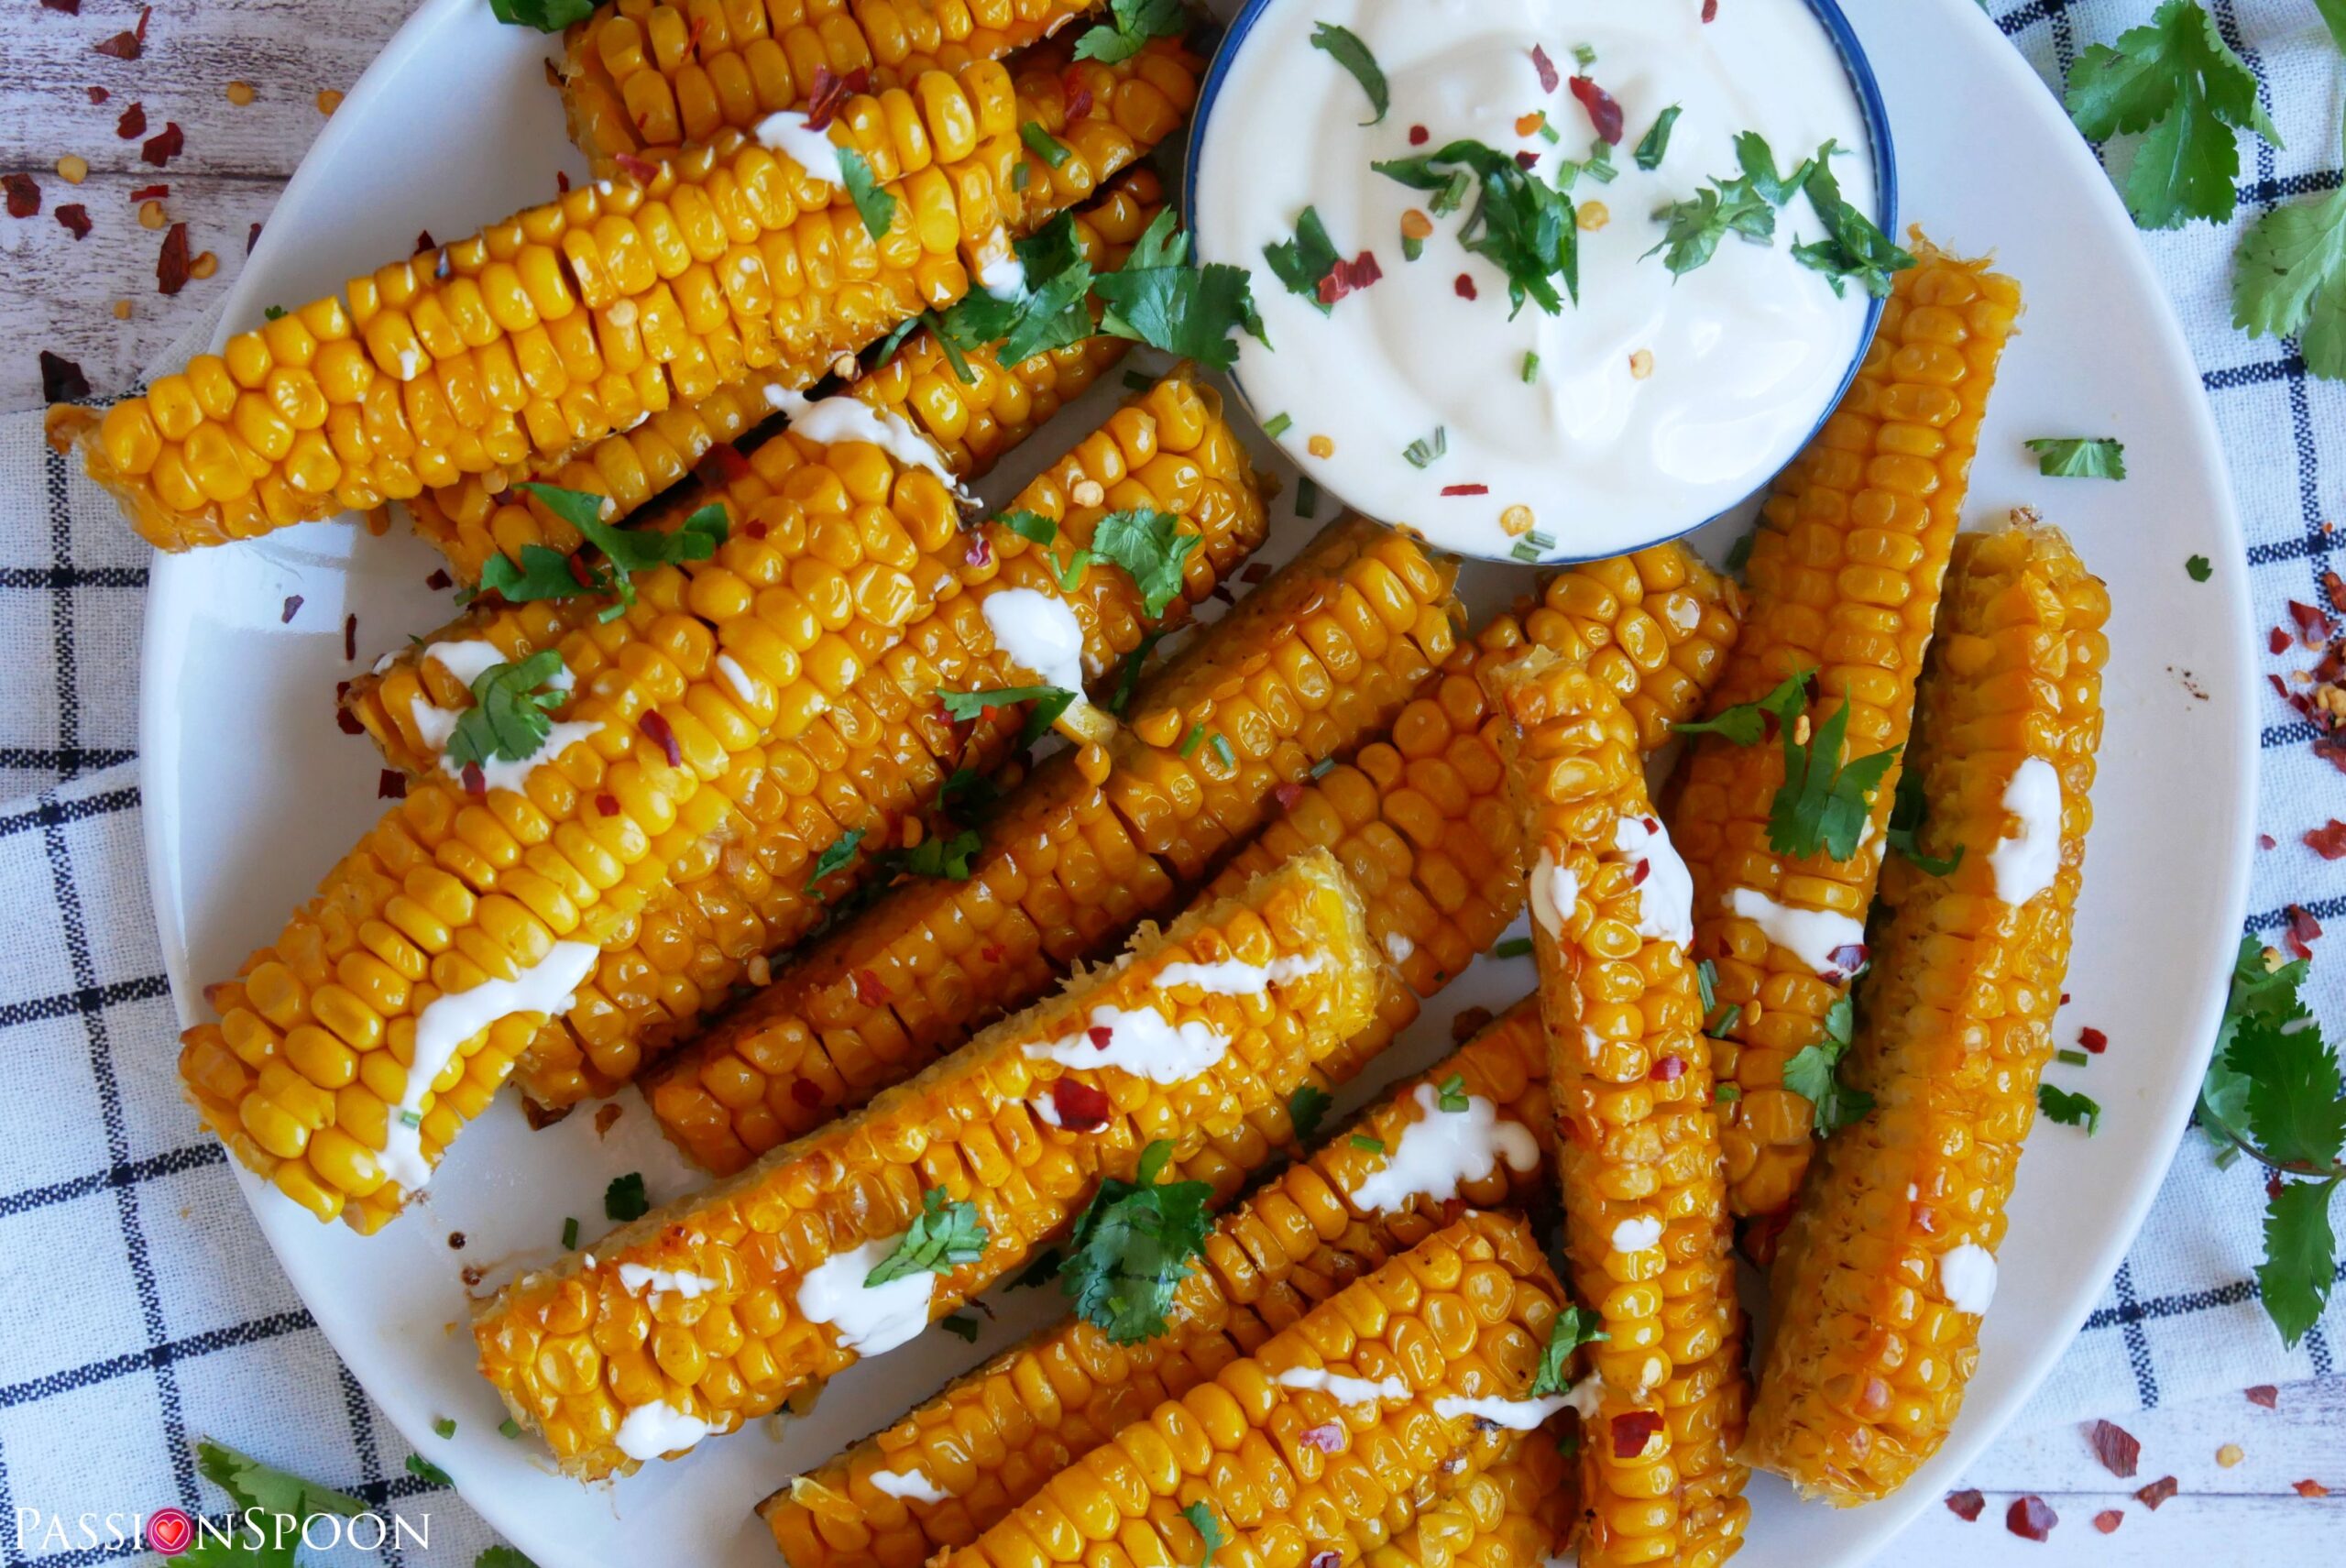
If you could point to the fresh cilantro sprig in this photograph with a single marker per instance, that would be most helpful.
(1822, 804)
(625, 1199)
(1907, 810)
(1132, 1245)
(508, 720)
(1813, 1074)
(2273, 1090)
(1211, 1536)
(546, 15)
(1131, 25)
(1343, 46)
(1743, 203)
(2176, 80)
(943, 1236)
(1522, 224)
(1148, 545)
(1567, 1331)
(1049, 703)
(1655, 146)
(251, 1484)
(1158, 298)
(873, 205)
(1301, 262)
(2289, 275)
(1050, 313)
(545, 574)
(2078, 456)
(2068, 1108)
(1307, 1107)
(836, 854)
(1854, 249)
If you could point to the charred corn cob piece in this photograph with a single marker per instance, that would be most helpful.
(972, 424)
(1518, 1514)
(1637, 1151)
(1321, 655)
(1456, 1321)
(544, 334)
(648, 74)
(611, 1378)
(1889, 1258)
(350, 1050)
(1844, 576)
(962, 1461)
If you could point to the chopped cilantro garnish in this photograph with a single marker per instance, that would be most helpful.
(423, 1470)
(1512, 948)
(1906, 811)
(2198, 568)
(2078, 456)
(885, 349)
(543, 574)
(1301, 262)
(273, 312)
(1159, 299)
(1855, 248)
(1655, 146)
(964, 1325)
(1307, 497)
(1707, 981)
(1813, 1074)
(508, 1427)
(1345, 48)
(1692, 228)
(444, 1426)
(939, 856)
(2289, 277)
(570, 1234)
(1599, 164)
(1132, 1245)
(1050, 313)
(1031, 526)
(253, 1485)
(1151, 548)
(1277, 425)
(836, 854)
(1131, 23)
(1583, 55)
(1451, 1092)
(1367, 1145)
(625, 1199)
(1128, 682)
(1044, 145)
(1521, 224)
(2072, 1059)
(1723, 1027)
(874, 205)
(1422, 452)
(943, 1236)
(1745, 723)
(1531, 368)
(2175, 78)
(507, 720)
(546, 15)
(1726, 1093)
(1567, 1331)
(1821, 806)
(1758, 162)
(2069, 1110)
(964, 789)
(1305, 1108)
(1209, 1529)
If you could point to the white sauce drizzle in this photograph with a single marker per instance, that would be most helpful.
(1236, 977)
(1554, 891)
(448, 1021)
(1398, 948)
(1004, 278)
(1039, 631)
(869, 1320)
(1967, 1277)
(828, 420)
(1045, 1107)
(737, 678)
(915, 1487)
(1515, 1415)
(1140, 1042)
(651, 1431)
(1666, 897)
(791, 133)
(2026, 862)
(1813, 936)
(1345, 1390)
(634, 1278)
(1443, 1149)
(467, 660)
(1637, 1234)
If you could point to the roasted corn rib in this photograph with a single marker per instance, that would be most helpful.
(963, 1460)
(611, 1376)
(1889, 1258)
(1452, 1330)
(1638, 1149)
(650, 73)
(972, 424)
(1322, 655)
(1843, 577)
(539, 336)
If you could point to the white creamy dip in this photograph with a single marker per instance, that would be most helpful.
(651, 1431)
(1658, 402)
(2026, 862)
(1139, 1041)
(467, 660)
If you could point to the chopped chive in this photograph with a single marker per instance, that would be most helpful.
(570, 1235)
(1452, 196)
(1020, 175)
(1422, 452)
(1451, 1092)
(1513, 947)
(1221, 749)
(443, 1426)
(1548, 133)
(1277, 425)
(1726, 1093)
(1525, 551)
(1530, 369)
(1539, 541)
(2072, 1059)
(1307, 497)
(1137, 382)
(508, 1427)
(1599, 165)
(1412, 248)
(1320, 768)
(1584, 55)
(1364, 1142)
(1192, 740)
(1044, 145)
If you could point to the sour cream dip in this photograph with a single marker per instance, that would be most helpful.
(1663, 395)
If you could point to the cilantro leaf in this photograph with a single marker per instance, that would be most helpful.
(836, 854)
(1345, 48)
(1301, 262)
(1049, 703)
(2078, 456)
(1822, 804)
(1132, 23)
(938, 856)
(964, 1325)
(1656, 145)
(254, 1485)
(1149, 546)
(2175, 78)
(1128, 683)
(1692, 228)
(508, 719)
(1132, 1245)
(423, 1470)
(1523, 225)
(1051, 313)
(626, 551)
(1567, 1331)
(2289, 276)
(1209, 1529)
(1812, 1074)
(1855, 248)
(546, 15)
(1305, 1108)
(2300, 1262)
(1031, 526)
(876, 207)
(943, 1236)
(1907, 809)
(502, 1556)
(2070, 1110)
(2333, 15)
(625, 1199)
(1746, 722)
(2198, 568)
(2287, 1094)
(1758, 162)
(1159, 299)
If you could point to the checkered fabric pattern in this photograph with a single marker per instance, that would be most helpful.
(139, 1306)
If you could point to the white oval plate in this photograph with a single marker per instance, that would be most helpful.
(252, 794)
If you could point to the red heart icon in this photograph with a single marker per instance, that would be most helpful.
(169, 1532)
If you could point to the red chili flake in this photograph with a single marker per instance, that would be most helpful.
(1965, 1506)
(721, 465)
(2157, 1492)
(1465, 489)
(71, 7)
(754, 529)
(1527, 158)
(2333, 588)
(562, 183)
(1604, 113)
(1632, 1430)
(642, 170)
(656, 729)
(143, 13)
(1222, 591)
(2108, 1521)
(2279, 689)
(2312, 625)
(170, 267)
(133, 124)
(475, 782)
(2266, 841)
(344, 720)
(164, 144)
(806, 1091)
(390, 784)
(1465, 286)
(61, 380)
(150, 192)
(1761, 1234)
(2304, 930)
(1847, 960)
(2328, 841)
(579, 572)
(980, 553)
(292, 605)
(1669, 1069)
(2265, 1395)
(1546, 68)
(2276, 641)
(1710, 10)
(2119, 1452)
(992, 952)
(1328, 1437)
(1100, 1034)
(2311, 1488)
(2331, 749)
(870, 991)
(423, 241)
(2093, 1040)
(1079, 96)
(608, 804)
(349, 638)
(831, 93)
(252, 238)
(1080, 1107)
(97, 95)
(1638, 877)
(1347, 276)
(122, 46)
(439, 579)
(1419, 136)
(1325, 1559)
(2031, 1518)
(24, 194)
(1288, 795)
(76, 219)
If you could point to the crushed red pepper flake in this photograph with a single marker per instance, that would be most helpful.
(2108, 1521)
(2304, 930)
(1548, 77)
(349, 638)
(2266, 841)
(1465, 286)
(657, 730)
(170, 267)
(61, 380)
(2310, 1487)
(806, 1091)
(2276, 641)
(1710, 10)
(1290, 795)
(24, 194)
(292, 605)
(1604, 111)
(475, 782)
(2312, 625)
(391, 784)
(1349, 277)
(1082, 1108)
(2157, 1492)
(1632, 1430)
(1669, 1069)
(642, 170)
(2329, 841)
(164, 144)
(122, 46)
(2265, 1394)
(1419, 136)
(1465, 489)
(2331, 749)
(71, 7)
(1079, 96)
(1967, 1505)
(608, 804)
(76, 219)
(2120, 1450)
(870, 991)
(2093, 1040)
(2031, 1518)
(1328, 1437)
(439, 579)
(133, 124)
(98, 94)
(1100, 1036)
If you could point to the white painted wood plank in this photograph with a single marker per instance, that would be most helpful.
(2304, 1437)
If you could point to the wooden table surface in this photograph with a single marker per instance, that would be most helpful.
(59, 294)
